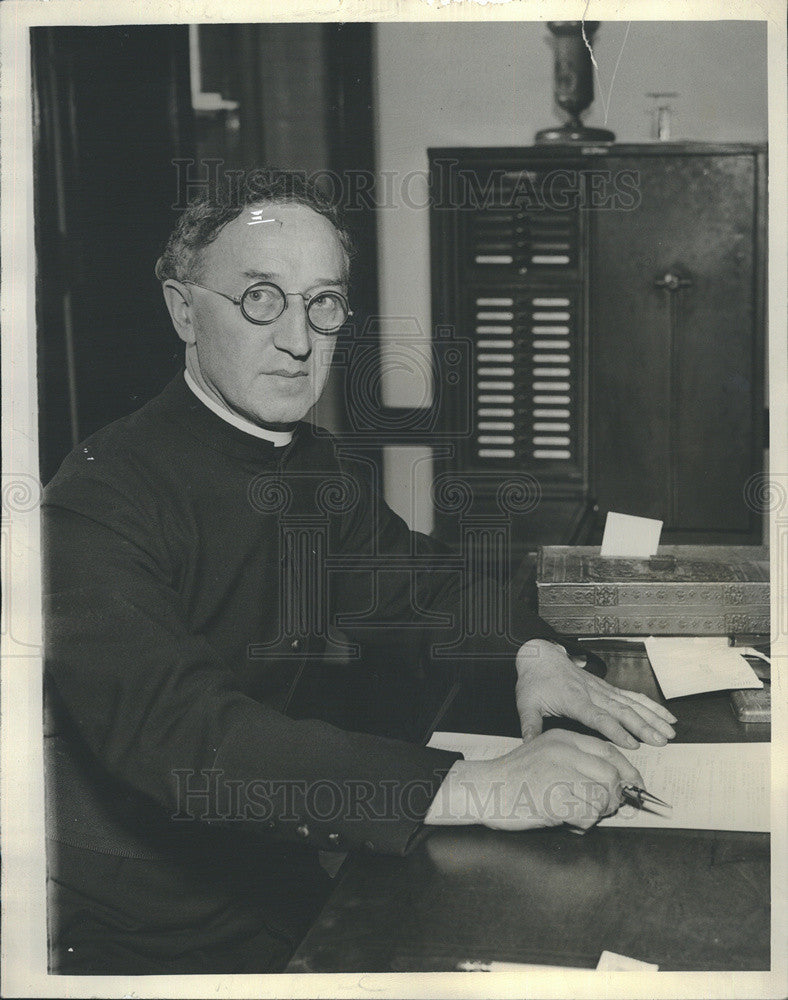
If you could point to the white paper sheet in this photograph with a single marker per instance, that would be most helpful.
(710, 786)
(611, 961)
(629, 537)
(687, 665)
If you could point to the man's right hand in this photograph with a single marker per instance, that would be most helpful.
(558, 777)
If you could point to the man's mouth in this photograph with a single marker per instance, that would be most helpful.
(288, 374)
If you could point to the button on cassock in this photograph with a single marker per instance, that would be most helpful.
(303, 830)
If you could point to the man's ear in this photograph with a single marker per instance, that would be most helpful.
(178, 300)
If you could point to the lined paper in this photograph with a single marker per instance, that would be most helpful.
(710, 786)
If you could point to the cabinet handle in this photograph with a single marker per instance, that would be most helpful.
(672, 282)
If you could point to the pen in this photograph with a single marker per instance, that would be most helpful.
(636, 795)
(640, 795)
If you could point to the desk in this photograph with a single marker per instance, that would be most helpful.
(682, 899)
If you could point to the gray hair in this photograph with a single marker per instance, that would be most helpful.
(209, 213)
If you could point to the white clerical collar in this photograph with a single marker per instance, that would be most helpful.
(278, 438)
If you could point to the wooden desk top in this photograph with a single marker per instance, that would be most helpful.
(682, 899)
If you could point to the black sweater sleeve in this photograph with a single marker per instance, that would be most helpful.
(466, 613)
(157, 706)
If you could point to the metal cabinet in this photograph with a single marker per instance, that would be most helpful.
(608, 304)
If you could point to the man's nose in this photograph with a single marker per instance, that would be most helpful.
(293, 333)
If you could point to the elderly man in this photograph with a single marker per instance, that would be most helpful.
(186, 807)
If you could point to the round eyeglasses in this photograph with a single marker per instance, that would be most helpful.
(264, 302)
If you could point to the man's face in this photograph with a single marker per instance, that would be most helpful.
(274, 373)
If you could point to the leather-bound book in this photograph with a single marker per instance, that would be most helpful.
(683, 590)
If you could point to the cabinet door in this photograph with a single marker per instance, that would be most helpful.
(675, 370)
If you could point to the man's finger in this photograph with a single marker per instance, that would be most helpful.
(599, 719)
(623, 708)
(576, 800)
(653, 714)
(593, 747)
(633, 722)
(645, 712)
(600, 772)
(592, 799)
(652, 706)
(597, 684)
(531, 721)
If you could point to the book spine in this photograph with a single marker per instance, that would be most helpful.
(689, 622)
(654, 595)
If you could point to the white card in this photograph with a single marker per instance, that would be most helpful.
(629, 537)
(688, 665)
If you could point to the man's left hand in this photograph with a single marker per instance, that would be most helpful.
(549, 683)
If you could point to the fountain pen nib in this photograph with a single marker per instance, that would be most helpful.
(633, 792)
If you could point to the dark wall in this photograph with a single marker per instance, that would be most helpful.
(111, 113)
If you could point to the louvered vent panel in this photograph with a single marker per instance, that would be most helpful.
(516, 231)
(496, 425)
(527, 376)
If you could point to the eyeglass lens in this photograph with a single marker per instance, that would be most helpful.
(265, 302)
